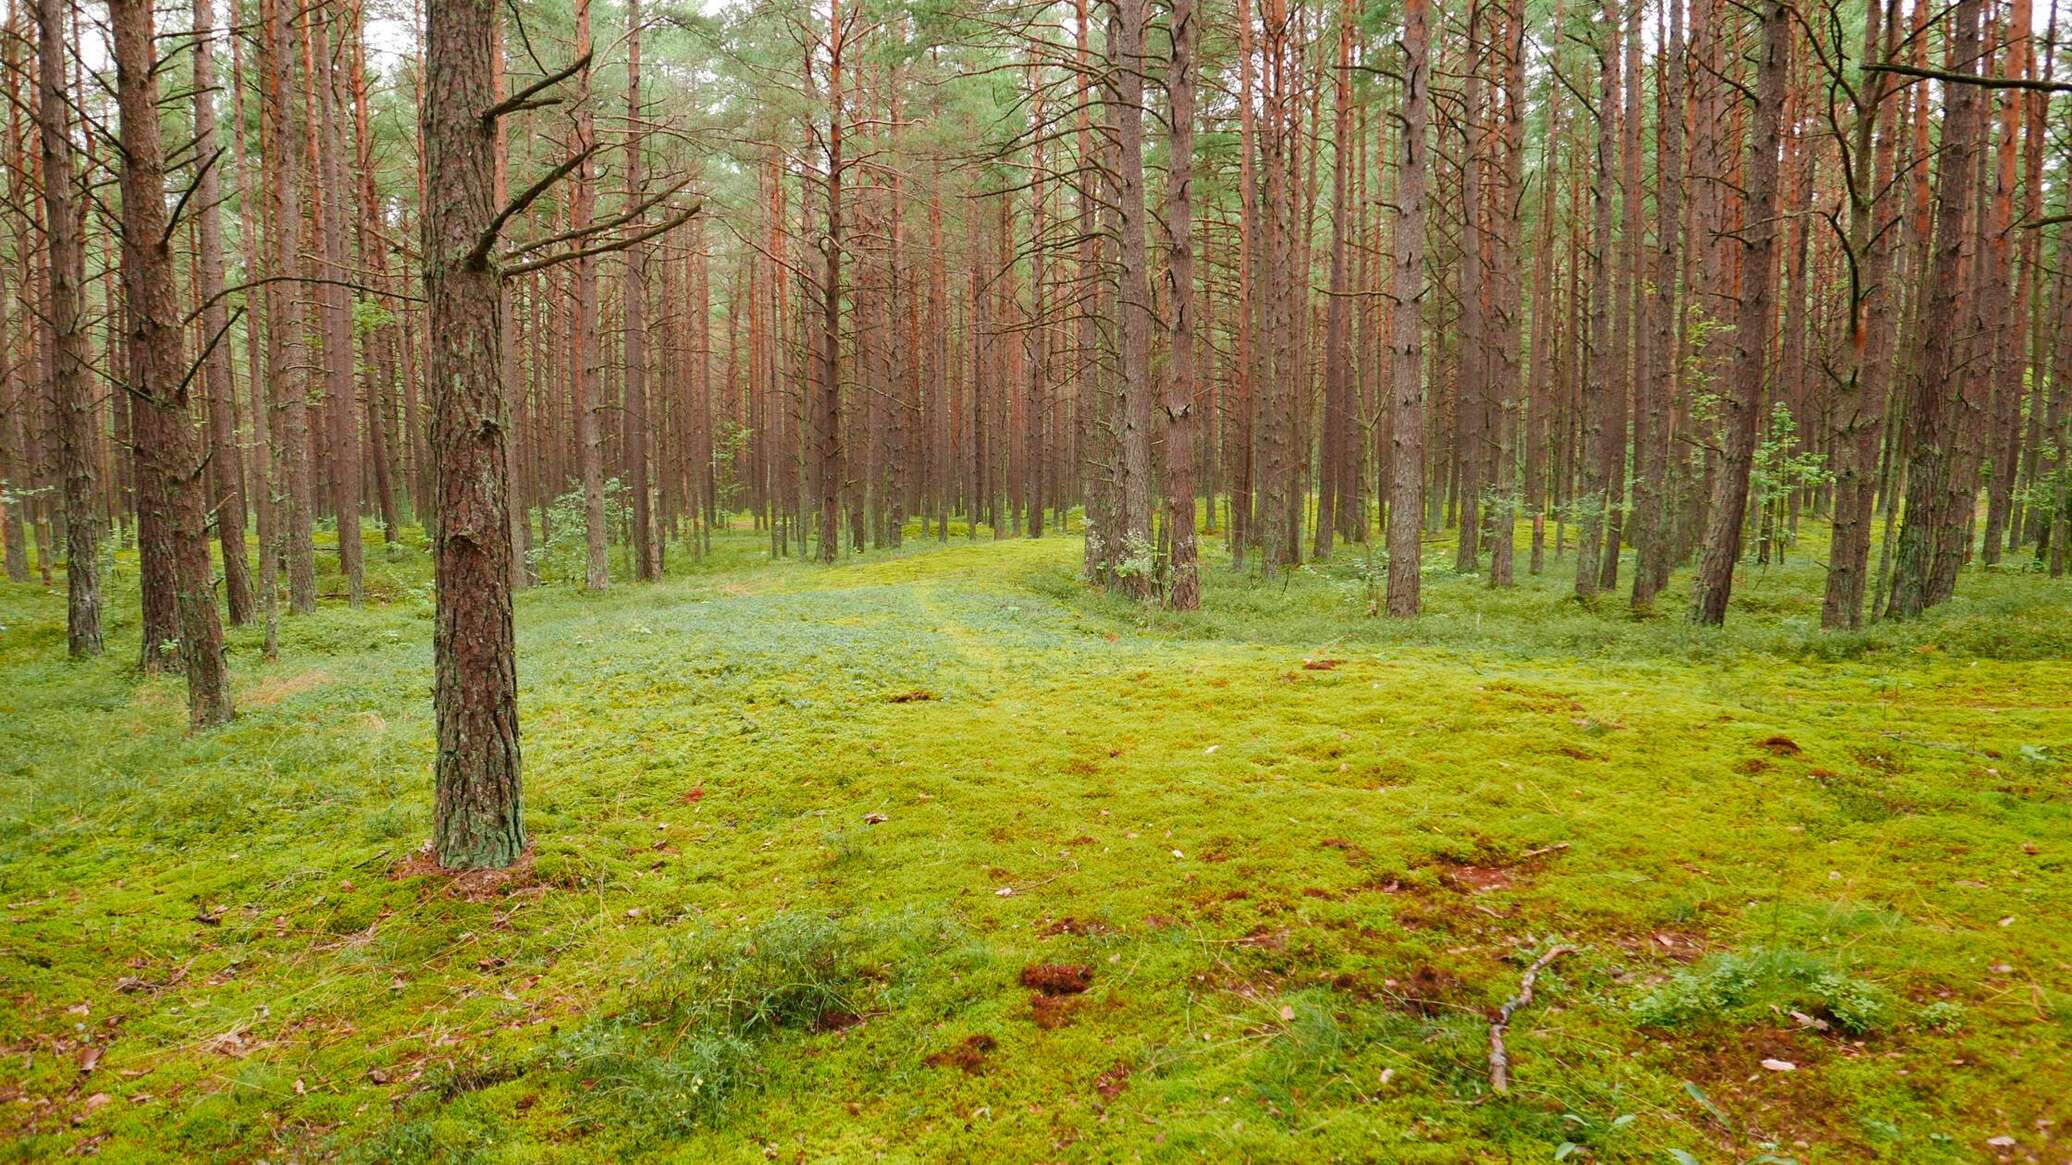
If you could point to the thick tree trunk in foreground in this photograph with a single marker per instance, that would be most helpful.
(479, 823)
(1743, 399)
(165, 434)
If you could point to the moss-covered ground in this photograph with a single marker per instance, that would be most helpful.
(801, 833)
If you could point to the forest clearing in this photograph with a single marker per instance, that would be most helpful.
(1446, 581)
(800, 832)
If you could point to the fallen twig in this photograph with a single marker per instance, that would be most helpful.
(1499, 1063)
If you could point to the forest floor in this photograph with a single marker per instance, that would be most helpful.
(939, 855)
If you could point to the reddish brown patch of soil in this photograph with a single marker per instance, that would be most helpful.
(1478, 879)
(1111, 1083)
(836, 1020)
(1780, 746)
(969, 1055)
(1051, 1011)
(1058, 978)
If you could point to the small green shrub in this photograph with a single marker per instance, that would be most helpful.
(694, 1035)
(1740, 989)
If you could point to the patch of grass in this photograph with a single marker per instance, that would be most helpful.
(1298, 891)
(1738, 989)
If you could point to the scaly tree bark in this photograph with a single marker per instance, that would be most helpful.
(165, 433)
(1659, 379)
(1338, 388)
(1603, 413)
(646, 562)
(1130, 533)
(479, 820)
(70, 384)
(1743, 399)
(1506, 305)
(286, 339)
(325, 112)
(1182, 419)
(1932, 410)
(1406, 343)
(225, 477)
(2007, 366)
(828, 396)
(587, 391)
(1471, 400)
(1863, 375)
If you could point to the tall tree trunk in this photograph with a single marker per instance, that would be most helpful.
(287, 339)
(1406, 343)
(1339, 406)
(1603, 413)
(1660, 379)
(646, 563)
(1130, 533)
(588, 393)
(828, 404)
(2007, 366)
(1864, 375)
(341, 402)
(1182, 419)
(226, 486)
(1540, 404)
(1744, 396)
(1932, 413)
(1471, 401)
(478, 818)
(71, 387)
(166, 437)
(1506, 307)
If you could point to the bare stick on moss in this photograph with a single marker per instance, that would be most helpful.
(1499, 1062)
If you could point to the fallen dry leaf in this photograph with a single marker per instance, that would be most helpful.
(1780, 1065)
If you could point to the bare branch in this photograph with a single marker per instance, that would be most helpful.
(520, 99)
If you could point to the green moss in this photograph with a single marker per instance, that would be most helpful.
(1301, 889)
